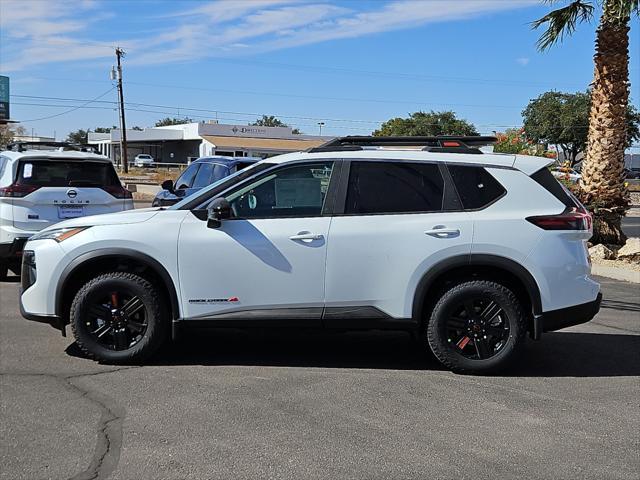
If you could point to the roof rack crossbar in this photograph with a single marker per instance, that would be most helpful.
(453, 143)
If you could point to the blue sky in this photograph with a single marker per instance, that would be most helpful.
(349, 64)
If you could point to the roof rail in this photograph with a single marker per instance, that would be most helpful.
(20, 146)
(443, 143)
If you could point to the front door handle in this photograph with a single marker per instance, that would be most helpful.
(440, 231)
(305, 237)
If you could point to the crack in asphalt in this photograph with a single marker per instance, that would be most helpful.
(106, 453)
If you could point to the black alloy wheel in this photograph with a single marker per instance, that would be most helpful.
(117, 320)
(478, 328)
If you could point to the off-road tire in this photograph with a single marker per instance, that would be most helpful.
(157, 321)
(436, 336)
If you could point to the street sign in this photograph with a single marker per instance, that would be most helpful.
(4, 97)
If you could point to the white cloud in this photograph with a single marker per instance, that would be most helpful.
(35, 30)
(524, 61)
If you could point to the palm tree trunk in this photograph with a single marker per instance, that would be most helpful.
(603, 189)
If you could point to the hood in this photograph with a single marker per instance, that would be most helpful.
(118, 218)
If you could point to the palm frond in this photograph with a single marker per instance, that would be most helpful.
(623, 9)
(562, 22)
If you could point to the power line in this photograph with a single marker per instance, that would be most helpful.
(72, 109)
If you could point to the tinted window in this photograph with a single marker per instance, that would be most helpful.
(203, 177)
(394, 187)
(72, 173)
(186, 179)
(295, 191)
(476, 187)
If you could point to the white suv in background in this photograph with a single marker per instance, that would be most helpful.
(143, 160)
(470, 251)
(41, 187)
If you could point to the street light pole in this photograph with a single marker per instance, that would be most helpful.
(123, 125)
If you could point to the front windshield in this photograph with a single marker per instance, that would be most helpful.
(220, 185)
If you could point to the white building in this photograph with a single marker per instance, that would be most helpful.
(181, 143)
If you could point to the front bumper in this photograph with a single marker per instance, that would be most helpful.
(567, 317)
(53, 320)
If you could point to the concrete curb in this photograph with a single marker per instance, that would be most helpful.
(626, 275)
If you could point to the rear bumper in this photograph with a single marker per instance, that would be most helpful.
(567, 317)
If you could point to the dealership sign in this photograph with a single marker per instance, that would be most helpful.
(244, 131)
(4, 97)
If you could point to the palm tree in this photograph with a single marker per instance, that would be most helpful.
(602, 188)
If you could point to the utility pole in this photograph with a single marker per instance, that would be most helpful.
(123, 125)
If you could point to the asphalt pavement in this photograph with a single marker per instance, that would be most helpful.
(228, 404)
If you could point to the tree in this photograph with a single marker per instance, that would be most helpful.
(79, 136)
(173, 121)
(602, 187)
(8, 132)
(272, 121)
(562, 119)
(426, 124)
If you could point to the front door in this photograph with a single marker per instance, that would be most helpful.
(267, 263)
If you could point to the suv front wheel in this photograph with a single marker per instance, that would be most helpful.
(476, 327)
(118, 317)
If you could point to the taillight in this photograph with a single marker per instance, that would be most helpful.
(17, 190)
(117, 191)
(575, 218)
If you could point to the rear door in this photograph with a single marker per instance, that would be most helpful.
(58, 189)
(398, 221)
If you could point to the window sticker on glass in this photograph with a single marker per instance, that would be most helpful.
(27, 171)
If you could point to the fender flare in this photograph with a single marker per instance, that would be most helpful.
(480, 260)
(102, 253)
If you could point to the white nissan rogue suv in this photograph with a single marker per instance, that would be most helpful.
(45, 183)
(471, 251)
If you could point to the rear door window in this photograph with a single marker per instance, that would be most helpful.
(66, 173)
(476, 187)
(394, 187)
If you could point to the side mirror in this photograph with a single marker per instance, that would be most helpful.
(167, 185)
(218, 211)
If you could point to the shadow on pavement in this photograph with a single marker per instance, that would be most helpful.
(559, 354)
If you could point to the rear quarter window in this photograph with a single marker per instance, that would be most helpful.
(546, 180)
(476, 187)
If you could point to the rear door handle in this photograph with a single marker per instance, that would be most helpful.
(305, 237)
(440, 231)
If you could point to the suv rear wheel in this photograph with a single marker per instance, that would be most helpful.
(476, 327)
(118, 318)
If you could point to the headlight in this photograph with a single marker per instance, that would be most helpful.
(58, 234)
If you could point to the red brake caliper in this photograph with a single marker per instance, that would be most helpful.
(463, 342)
(114, 300)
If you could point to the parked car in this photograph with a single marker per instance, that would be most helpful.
(566, 172)
(468, 251)
(201, 173)
(632, 173)
(143, 160)
(41, 187)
